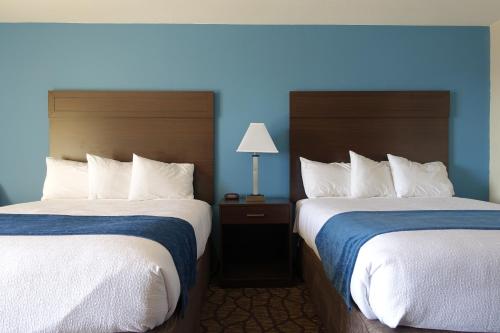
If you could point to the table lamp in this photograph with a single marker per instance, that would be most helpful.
(256, 140)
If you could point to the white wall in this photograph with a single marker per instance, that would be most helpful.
(495, 112)
(359, 12)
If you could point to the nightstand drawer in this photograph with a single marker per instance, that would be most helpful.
(256, 214)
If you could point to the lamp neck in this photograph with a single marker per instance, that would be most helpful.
(255, 174)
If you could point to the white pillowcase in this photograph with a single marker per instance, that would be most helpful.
(370, 178)
(413, 179)
(108, 179)
(158, 180)
(325, 179)
(65, 180)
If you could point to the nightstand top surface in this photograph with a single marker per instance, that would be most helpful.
(269, 201)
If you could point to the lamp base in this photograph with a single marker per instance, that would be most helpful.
(255, 198)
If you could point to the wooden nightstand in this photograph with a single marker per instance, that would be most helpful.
(256, 243)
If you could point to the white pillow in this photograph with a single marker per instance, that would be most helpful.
(158, 180)
(65, 180)
(108, 179)
(370, 178)
(325, 180)
(413, 179)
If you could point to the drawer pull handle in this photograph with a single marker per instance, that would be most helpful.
(255, 215)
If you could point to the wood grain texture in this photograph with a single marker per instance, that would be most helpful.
(165, 126)
(325, 125)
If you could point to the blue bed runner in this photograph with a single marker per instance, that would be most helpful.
(342, 236)
(174, 234)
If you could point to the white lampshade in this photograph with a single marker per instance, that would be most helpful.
(257, 140)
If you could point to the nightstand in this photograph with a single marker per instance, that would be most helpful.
(256, 243)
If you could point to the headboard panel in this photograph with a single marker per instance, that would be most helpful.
(165, 126)
(325, 125)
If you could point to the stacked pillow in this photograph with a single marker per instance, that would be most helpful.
(325, 180)
(108, 179)
(104, 178)
(158, 180)
(365, 178)
(412, 179)
(370, 178)
(145, 179)
(65, 180)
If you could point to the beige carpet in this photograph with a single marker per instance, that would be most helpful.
(259, 310)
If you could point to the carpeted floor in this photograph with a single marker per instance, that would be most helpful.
(259, 310)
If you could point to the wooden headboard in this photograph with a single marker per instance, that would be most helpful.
(325, 125)
(166, 126)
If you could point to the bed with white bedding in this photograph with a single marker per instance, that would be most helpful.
(112, 283)
(93, 283)
(410, 130)
(440, 279)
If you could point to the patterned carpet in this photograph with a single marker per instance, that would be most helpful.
(252, 310)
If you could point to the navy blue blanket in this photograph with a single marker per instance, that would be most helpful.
(341, 238)
(173, 233)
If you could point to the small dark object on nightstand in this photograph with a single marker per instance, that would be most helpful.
(231, 196)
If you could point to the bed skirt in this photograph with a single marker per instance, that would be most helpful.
(330, 306)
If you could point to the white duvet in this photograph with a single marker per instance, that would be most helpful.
(440, 279)
(92, 283)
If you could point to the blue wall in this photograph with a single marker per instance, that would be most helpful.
(252, 69)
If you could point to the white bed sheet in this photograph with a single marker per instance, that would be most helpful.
(93, 283)
(441, 279)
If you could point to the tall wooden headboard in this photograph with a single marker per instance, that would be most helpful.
(325, 125)
(164, 125)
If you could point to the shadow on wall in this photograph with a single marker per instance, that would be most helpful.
(4, 200)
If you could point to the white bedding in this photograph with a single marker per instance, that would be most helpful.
(92, 283)
(441, 279)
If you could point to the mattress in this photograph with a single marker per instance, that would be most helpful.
(93, 283)
(439, 279)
